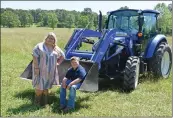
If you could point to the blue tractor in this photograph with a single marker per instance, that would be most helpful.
(129, 45)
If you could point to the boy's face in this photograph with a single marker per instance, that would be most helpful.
(74, 64)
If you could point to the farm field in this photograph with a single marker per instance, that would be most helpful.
(151, 98)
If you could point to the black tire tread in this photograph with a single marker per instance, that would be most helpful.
(155, 62)
(130, 73)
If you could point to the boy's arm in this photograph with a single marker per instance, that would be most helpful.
(76, 81)
(79, 79)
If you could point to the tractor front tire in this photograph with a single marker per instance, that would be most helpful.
(131, 74)
(160, 64)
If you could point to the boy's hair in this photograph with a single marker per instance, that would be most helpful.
(74, 58)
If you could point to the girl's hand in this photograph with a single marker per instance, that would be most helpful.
(57, 64)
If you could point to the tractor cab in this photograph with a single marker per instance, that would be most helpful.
(133, 21)
(139, 25)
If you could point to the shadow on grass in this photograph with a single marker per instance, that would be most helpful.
(112, 85)
(78, 106)
(148, 77)
(53, 102)
(28, 94)
(117, 83)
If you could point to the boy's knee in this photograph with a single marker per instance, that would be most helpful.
(63, 86)
(64, 83)
(62, 89)
(73, 87)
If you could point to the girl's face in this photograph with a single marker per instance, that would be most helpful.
(50, 40)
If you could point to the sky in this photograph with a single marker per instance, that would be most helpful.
(104, 6)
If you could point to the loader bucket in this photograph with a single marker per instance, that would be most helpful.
(27, 74)
(91, 80)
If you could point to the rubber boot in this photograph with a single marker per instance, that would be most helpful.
(37, 100)
(45, 99)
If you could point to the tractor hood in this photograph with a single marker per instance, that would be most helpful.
(121, 33)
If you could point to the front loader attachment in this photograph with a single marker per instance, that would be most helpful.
(91, 80)
(89, 84)
(27, 73)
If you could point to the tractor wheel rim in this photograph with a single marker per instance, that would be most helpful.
(137, 75)
(165, 63)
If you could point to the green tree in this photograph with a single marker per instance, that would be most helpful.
(24, 18)
(165, 18)
(37, 15)
(45, 19)
(91, 21)
(30, 19)
(70, 21)
(86, 11)
(9, 19)
(33, 13)
(52, 20)
(83, 22)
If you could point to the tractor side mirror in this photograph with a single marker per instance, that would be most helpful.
(100, 21)
(159, 29)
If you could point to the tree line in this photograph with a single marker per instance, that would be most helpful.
(71, 19)
(49, 18)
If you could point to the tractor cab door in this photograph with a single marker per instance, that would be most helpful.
(149, 28)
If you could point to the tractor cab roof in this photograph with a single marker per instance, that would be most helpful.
(143, 11)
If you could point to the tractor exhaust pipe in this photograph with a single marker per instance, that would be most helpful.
(100, 21)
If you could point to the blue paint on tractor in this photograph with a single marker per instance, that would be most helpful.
(121, 41)
(153, 44)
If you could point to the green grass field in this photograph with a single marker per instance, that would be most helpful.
(151, 98)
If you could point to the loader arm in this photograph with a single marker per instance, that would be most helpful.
(96, 56)
(93, 64)
(78, 37)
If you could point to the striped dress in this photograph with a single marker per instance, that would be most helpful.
(47, 63)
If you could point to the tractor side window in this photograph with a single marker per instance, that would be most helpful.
(112, 22)
(149, 23)
(133, 23)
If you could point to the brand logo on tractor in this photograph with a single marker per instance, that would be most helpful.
(121, 34)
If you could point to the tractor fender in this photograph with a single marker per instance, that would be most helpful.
(153, 43)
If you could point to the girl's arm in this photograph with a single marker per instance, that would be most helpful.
(61, 58)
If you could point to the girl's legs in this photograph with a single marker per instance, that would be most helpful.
(38, 95)
(45, 96)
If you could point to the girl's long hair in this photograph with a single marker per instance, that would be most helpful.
(55, 47)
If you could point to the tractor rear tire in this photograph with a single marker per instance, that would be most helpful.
(131, 74)
(161, 62)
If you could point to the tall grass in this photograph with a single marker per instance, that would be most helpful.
(151, 98)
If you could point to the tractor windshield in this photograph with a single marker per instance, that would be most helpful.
(124, 20)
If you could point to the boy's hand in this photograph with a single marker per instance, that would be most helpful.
(68, 87)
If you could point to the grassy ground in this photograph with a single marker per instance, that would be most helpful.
(151, 98)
